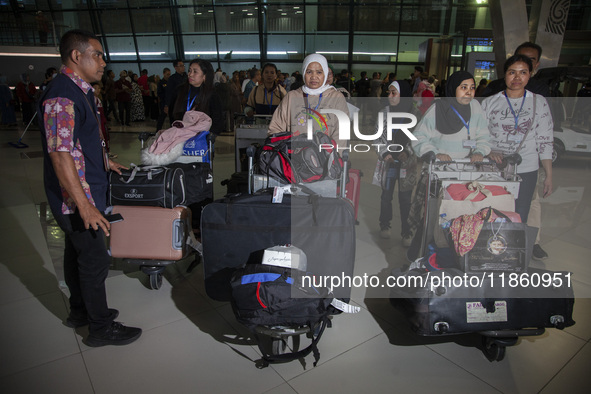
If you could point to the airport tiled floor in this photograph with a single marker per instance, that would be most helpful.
(192, 344)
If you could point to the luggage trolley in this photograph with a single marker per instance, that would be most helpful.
(182, 239)
(433, 313)
(276, 343)
(442, 174)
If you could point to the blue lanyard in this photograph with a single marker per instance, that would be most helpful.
(466, 124)
(271, 103)
(189, 101)
(515, 116)
(317, 105)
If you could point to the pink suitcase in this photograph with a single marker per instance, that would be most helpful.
(152, 233)
(353, 188)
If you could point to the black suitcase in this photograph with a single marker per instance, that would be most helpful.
(485, 302)
(237, 229)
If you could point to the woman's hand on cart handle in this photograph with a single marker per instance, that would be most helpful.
(443, 157)
(476, 158)
(497, 157)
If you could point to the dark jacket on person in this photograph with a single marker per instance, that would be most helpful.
(214, 107)
(174, 81)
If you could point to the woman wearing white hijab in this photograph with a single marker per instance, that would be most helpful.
(306, 102)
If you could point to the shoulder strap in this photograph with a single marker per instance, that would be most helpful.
(312, 348)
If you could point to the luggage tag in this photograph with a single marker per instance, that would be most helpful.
(278, 195)
(344, 307)
(470, 144)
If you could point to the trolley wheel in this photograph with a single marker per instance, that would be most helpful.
(155, 281)
(492, 349)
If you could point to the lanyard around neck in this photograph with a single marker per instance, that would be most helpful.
(306, 100)
(466, 124)
(266, 100)
(189, 101)
(515, 116)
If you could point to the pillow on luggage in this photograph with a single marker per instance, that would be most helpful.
(460, 191)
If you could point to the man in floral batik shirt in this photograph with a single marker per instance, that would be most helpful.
(76, 183)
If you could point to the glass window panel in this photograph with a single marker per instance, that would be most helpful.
(374, 48)
(65, 21)
(409, 48)
(121, 48)
(205, 2)
(376, 18)
(237, 19)
(151, 21)
(285, 18)
(150, 3)
(333, 46)
(285, 47)
(153, 48)
(200, 46)
(423, 19)
(333, 17)
(244, 46)
(465, 18)
(115, 21)
(196, 19)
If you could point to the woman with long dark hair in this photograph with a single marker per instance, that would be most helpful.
(198, 94)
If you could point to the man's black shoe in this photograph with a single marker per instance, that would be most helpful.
(539, 253)
(117, 334)
(75, 322)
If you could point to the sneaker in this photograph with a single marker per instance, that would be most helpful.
(539, 253)
(385, 233)
(117, 335)
(75, 322)
(406, 240)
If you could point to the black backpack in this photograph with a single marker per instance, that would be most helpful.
(296, 159)
(272, 296)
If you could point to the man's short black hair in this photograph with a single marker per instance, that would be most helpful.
(176, 62)
(419, 69)
(529, 44)
(75, 40)
(165, 69)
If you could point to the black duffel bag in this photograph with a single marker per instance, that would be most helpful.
(198, 181)
(148, 186)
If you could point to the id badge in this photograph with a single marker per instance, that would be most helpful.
(470, 144)
(515, 138)
(403, 173)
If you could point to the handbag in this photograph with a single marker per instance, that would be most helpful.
(451, 209)
(148, 186)
(378, 173)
